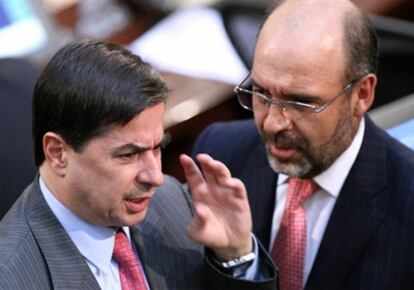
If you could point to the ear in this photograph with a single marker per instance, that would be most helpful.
(364, 94)
(55, 148)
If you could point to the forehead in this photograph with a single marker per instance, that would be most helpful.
(145, 130)
(300, 46)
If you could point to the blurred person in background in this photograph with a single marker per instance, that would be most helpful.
(17, 169)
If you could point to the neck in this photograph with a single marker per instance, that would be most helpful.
(53, 182)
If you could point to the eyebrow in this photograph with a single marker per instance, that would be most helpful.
(254, 84)
(289, 96)
(136, 149)
(301, 97)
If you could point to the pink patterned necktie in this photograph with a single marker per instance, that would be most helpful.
(289, 249)
(132, 277)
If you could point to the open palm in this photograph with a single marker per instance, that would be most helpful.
(222, 218)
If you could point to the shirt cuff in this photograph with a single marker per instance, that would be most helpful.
(250, 271)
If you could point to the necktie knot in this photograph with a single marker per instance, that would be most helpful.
(123, 252)
(299, 191)
(130, 272)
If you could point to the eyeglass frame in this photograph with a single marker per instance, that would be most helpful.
(280, 103)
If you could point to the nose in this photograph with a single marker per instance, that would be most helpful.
(275, 120)
(150, 171)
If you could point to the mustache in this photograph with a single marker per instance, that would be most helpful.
(284, 140)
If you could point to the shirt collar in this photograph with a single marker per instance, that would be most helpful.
(332, 179)
(95, 243)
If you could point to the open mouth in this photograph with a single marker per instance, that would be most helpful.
(136, 205)
(282, 153)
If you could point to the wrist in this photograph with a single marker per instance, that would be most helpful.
(239, 261)
(224, 255)
(235, 265)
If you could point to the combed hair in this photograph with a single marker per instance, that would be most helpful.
(89, 86)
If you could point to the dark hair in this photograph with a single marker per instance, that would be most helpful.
(361, 45)
(89, 86)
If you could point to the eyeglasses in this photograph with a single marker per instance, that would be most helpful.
(250, 100)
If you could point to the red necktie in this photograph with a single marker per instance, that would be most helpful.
(132, 277)
(289, 249)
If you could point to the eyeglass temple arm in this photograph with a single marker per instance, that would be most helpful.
(324, 106)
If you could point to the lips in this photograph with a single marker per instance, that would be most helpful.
(137, 205)
(282, 153)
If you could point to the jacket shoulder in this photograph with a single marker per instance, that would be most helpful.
(19, 252)
(401, 165)
(226, 140)
(386, 165)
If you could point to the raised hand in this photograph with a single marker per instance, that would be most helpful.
(222, 218)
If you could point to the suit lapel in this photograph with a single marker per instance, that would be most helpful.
(171, 259)
(355, 217)
(67, 267)
(260, 181)
(147, 237)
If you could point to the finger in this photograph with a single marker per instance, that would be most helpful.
(215, 172)
(214, 165)
(221, 172)
(206, 165)
(237, 186)
(192, 173)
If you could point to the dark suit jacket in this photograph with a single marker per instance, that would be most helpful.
(17, 169)
(369, 239)
(37, 253)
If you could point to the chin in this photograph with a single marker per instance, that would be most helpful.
(135, 220)
(289, 168)
(130, 220)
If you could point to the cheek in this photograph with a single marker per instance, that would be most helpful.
(321, 133)
(318, 131)
(102, 194)
(115, 182)
(98, 179)
(332, 124)
(259, 119)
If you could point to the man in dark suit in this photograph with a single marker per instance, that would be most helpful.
(92, 218)
(17, 169)
(313, 79)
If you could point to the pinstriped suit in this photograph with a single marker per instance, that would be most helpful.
(37, 253)
(369, 239)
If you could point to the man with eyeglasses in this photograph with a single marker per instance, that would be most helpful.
(331, 194)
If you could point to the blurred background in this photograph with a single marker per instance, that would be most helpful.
(203, 48)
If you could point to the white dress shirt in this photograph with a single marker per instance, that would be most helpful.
(95, 243)
(318, 207)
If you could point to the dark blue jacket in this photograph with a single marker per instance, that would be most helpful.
(369, 239)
